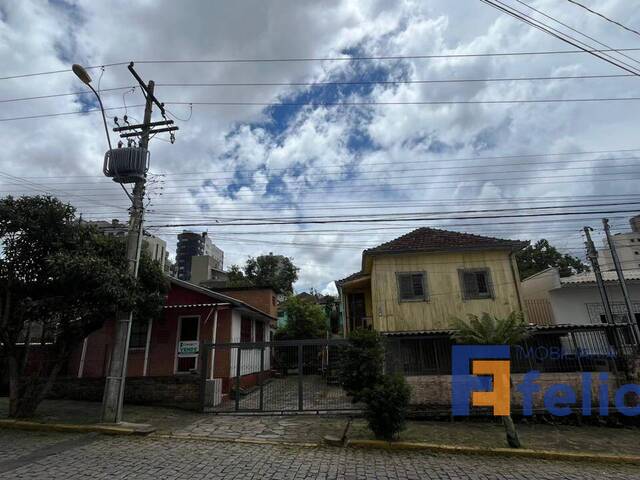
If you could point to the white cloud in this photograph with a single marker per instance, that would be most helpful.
(237, 145)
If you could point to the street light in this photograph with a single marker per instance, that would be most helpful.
(82, 74)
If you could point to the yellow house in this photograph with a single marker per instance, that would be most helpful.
(419, 281)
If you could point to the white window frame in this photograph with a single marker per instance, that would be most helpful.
(175, 361)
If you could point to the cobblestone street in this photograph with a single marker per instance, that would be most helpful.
(63, 456)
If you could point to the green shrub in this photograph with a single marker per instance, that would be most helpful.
(387, 403)
(361, 363)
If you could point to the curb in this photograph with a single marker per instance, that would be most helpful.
(69, 427)
(250, 441)
(505, 452)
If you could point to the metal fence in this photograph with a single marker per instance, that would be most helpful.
(302, 376)
(277, 377)
(548, 349)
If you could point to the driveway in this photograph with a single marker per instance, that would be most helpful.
(281, 395)
(70, 457)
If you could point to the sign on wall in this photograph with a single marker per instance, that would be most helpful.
(188, 348)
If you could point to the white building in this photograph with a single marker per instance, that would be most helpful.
(204, 269)
(627, 246)
(155, 247)
(576, 299)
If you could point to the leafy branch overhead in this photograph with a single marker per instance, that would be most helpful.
(63, 280)
(275, 271)
(540, 256)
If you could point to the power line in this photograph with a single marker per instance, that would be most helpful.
(60, 114)
(380, 187)
(319, 59)
(55, 95)
(179, 185)
(452, 212)
(459, 159)
(559, 35)
(431, 218)
(331, 83)
(573, 30)
(399, 102)
(608, 19)
(342, 104)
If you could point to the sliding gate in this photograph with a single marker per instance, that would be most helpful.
(276, 377)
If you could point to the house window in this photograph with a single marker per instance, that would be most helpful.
(245, 329)
(187, 335)
(259, 332)
(475, 284)
(138, 337)
(412, 286)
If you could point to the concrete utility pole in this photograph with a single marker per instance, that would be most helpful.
(114, 387)
(623, 285)
(592, 255)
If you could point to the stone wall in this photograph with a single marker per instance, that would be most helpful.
(434, 391)
(174, 390)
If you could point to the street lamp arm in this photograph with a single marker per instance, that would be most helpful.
(104, 118)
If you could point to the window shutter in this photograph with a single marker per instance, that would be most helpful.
(418, 288)
(470, 285)
(405, 287)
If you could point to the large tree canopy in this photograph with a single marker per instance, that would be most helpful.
(304, 320)
(275, 271)
(60, 280)
(540, 256)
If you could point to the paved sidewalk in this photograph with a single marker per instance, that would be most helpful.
(152, 458)
(312, 428)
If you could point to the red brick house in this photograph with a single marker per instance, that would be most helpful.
(165, 351)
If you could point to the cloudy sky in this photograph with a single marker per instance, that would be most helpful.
(320, 125)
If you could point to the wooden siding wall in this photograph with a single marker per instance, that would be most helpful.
(539, 311)
(445, 295)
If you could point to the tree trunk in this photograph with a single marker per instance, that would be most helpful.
(512, 434)
(14, 387)
(27, 392)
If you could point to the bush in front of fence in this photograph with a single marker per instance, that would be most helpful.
(386, 397)
(387, 404)
(361, 362)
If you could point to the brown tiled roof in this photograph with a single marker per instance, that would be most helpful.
(432, 239)
(353, 276)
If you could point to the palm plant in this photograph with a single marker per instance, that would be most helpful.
(491, 330)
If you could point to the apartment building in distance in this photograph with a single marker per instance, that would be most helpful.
(627, 246)
(156, 247)
(196, 253)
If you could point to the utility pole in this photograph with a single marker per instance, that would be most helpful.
(114, 387)
(623, 285)
(592, 255)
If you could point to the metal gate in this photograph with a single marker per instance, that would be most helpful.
(276, 377)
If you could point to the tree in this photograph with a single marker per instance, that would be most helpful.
(60, 281)
(387, 405)
(275, 271)
(540, 256)
(304, 320)
(361, 362)
(490, 330)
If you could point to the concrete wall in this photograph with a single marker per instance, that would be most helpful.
(174, 390)
(628, 249)
(537, 286)
(445, 293)
(570, 303)
(435, 390)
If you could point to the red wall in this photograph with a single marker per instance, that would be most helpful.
(164, 331)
